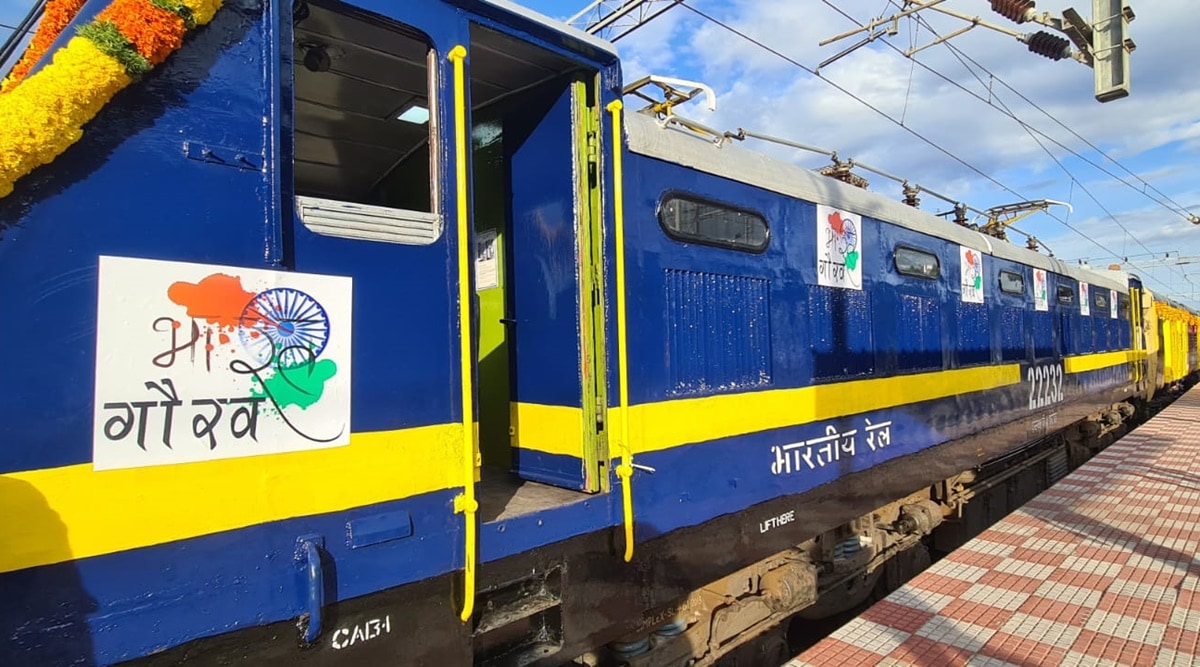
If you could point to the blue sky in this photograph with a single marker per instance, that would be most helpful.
(1154, 133)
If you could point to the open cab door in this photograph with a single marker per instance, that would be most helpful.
(539, 239)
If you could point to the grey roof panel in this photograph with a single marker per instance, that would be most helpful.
(646, 136)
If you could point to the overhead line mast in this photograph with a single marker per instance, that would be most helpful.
(614, 19)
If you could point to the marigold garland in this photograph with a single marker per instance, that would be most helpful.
(202, 10)
(56, 16)
(45, 114)
(1167, 312)
(108, 38)
(155, 32)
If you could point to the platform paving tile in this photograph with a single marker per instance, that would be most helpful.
(1100, 570)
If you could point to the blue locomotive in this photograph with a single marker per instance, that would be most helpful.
(380, 333)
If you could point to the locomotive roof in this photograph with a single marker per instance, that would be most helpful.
(552, 24)
(647, 137)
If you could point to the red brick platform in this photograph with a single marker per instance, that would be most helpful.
(1101, 569)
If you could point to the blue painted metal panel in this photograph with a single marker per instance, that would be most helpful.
(504, 537)
(1009, 312)
(839, 326)
(719, 332)
(1085, 335)
(544, 290)
(974, 339)
(920, 333)
(126, 188)
(909, 324)
(556, 469)
(1100, 330)
(770, 464)
(661, 311)
(1068, 317)
(117, 607)
(1042, 327)
(86, 13)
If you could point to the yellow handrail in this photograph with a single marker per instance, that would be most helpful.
(625, 468)
(465, 503)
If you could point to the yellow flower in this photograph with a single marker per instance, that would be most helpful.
(202, 10)
(46, 113)
(43, 116)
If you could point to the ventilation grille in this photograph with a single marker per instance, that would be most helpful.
(718, 332)
(1057, 466)
(348, 220)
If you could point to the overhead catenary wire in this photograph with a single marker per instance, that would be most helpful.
(1074, 181)
(858, 99)
(885, 115)
(1178, 208)
(1032, 131)
(1169, 204)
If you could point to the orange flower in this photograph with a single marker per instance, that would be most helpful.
(55, 18)
(154, 31)
(43, 116)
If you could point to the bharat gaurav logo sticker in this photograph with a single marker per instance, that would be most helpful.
(839, 248)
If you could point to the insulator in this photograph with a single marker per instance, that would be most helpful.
(841, 172)
(1051, 46)
(1013, 10)
(960, 214)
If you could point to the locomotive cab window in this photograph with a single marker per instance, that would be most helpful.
(1012, 283)
(364, 123)
(918, 263)
(1066, 294)
(1100, 302)
(695, 220)
(1122, 307)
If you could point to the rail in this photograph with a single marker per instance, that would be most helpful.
(464, 503)
(625, 468)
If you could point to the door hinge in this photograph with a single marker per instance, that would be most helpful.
(593, 159)
(593, 145)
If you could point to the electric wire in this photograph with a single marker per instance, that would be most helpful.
(1057, 161)
(962, 58)
(1033, 132)
(894, 121)
(1173, 206)
(858, 99)
(1178, 208)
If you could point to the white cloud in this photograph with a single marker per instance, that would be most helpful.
(1155, 131)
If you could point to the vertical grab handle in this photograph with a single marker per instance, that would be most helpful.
(625, 467)
(464, 503)
(309, 554)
